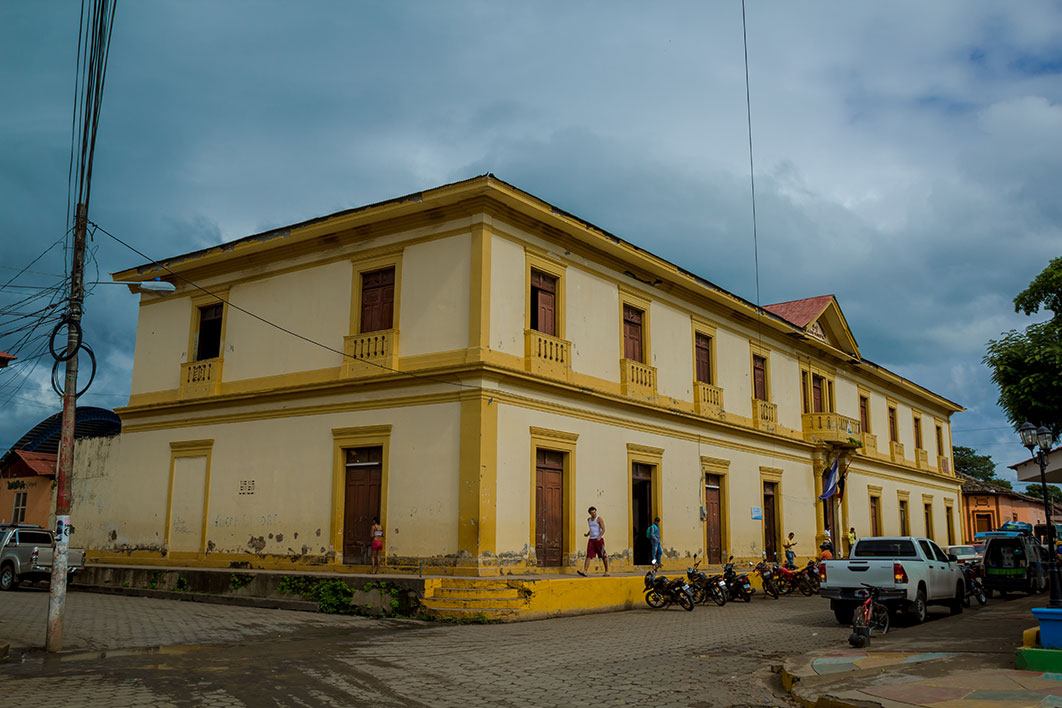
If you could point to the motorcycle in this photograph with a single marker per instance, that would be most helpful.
(974, 588)
(661, 592)
(737, 584)
(811, 574)
(766, 573)
(789, 580)
(704, 587)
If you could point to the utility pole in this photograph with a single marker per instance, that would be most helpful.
(57, 597)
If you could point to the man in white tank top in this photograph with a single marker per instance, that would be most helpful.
(595, 547)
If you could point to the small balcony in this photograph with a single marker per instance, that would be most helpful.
(708, 399)
(764, 415)
(547, 355)
(942, 464)
(922, 459)
(370, 354)
(896, 451)
(870, 444)
(200, 378)
(831, 428)
(637, 380)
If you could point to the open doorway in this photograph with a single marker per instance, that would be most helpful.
(641, 510)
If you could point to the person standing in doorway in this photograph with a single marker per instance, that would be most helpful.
(850, 541)
(829, 538)
(377, 544)
(595, 547)
(653, 534)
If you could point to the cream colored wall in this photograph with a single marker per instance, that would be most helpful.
(859, 504)
(595, 336)
(436, 287)
(672, 351)
(161, 343)
(734, 369)
(785, 388)
(123, 505)
(314, 302)
(847, 397)
(507, 293)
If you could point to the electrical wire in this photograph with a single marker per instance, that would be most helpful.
(275, 325)
(752, 172)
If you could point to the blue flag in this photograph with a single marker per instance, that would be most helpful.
(832, 480)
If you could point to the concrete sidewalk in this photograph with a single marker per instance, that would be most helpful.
(961, 662)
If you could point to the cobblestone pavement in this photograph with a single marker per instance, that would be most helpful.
(256, 657)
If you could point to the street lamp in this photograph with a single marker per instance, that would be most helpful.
(1031, 437)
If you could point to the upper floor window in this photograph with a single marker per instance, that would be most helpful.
(543, 303)
(864, 413)
(378, 300)
(893, 433)
(759, 377)
(633, 334)
(703, 358)
(918, 432)
(940, 440)
(208, 334)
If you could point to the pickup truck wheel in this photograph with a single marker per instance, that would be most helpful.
(960, 601)
(917, 609)
(8, 579)
(843, 613)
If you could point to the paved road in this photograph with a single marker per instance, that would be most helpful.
(235, 656)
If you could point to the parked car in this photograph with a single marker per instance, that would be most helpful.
(971, 555)
(26, 555)
(1014, 562)
(911, 572)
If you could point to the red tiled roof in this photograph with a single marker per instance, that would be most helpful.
(43, 463)
(6, 359)
(801, 312)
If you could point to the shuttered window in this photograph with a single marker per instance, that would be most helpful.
(918, 433)
(703, 352)
(543, 303)
(377, 300)
(864, 413)
(759, 377)
(632, 333)
(893, 436)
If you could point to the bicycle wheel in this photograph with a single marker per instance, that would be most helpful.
(655, 599)
(860, 618)
(879, 618)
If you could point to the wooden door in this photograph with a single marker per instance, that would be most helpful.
(816, 394)
(364, 468)
(549, 507)
(543, 303)
(704, 358)
(875, 516)
(982, 522)
(770, 522)
(377, 300)
(759, 378)
(632, 333)
(713, 520)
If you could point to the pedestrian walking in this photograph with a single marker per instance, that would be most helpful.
(653, 534)
(850, 541)
(595, 546)
(790, 554)
(377, 544)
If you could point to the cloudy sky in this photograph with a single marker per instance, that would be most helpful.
(908, 155)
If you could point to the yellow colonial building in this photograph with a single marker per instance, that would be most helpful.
(475, 367)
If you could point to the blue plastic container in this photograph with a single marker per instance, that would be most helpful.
(1050, 626)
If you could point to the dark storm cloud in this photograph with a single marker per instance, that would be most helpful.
(907, 157)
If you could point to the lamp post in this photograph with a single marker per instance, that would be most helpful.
(1031, 437)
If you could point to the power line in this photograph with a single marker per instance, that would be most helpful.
(274, 324)
(752, 173)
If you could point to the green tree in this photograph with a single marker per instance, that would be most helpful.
(1053, 492)
(1027, 366)
(969, 463)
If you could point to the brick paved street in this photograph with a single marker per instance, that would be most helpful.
(710, 657)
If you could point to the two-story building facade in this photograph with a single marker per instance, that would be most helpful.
(475, 367)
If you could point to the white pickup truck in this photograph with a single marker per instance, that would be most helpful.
(911, 572)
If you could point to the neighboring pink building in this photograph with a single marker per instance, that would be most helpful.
(987, 506)
(26, 486)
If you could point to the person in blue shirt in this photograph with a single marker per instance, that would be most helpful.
(654, 540)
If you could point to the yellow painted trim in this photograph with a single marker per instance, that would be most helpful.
(536, 260)
(635, 299)
(342, 439)
(478, 479)
(479, 290)
(189, 448)
(874, 492)
(917, 434)
(560, 441)
(949, 516)
(654, 457)
(927, 500)
(903, 498)
(863, 392)
(362, 264)
(720, 468)
(200, 299)
(773, 474)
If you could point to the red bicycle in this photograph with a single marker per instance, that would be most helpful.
(868, 616)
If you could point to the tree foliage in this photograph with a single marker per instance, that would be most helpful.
(1027, 366)
(1053, 492)
(981, 467)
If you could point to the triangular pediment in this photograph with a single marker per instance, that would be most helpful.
(819, 318)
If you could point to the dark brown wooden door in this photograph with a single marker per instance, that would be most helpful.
(713, 521)
(549, 507)
(816, 394)
(982, 522)
(770, 522)
(362, 502)
(377, 300)
(543, 303)
(875, 516)
(632, 333)
(759, 378)
(704, 358)
(864, 414)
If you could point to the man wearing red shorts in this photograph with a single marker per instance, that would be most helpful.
(595, 547)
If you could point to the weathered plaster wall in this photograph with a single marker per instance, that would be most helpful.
(436, 284)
